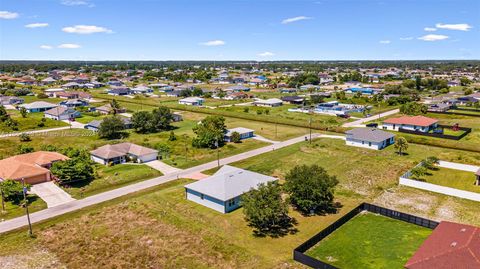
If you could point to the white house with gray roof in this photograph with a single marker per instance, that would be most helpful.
(223, 191)
(369, 138)
(243, 132)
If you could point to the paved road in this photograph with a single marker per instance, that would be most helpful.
(359, 122)
(34, 132)
(109, 195)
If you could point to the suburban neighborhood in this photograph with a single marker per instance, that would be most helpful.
(121, 156)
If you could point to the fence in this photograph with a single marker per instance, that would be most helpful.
(299, 252)
(456, 113)
(465, 130)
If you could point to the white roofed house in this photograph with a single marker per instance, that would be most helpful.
(243, 132)
(39, 106)
(61, 113)
(191, 101)
(272, 102)
(141, 90)
(369, 138)
(223, 191)
(52, 92)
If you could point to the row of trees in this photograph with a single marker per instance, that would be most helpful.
(413, 108)
(308, 189)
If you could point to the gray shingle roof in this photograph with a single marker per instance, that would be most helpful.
(229, 182)
(369, 134)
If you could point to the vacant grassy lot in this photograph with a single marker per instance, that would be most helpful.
(31, 122)
(457, 179)
(14, 210)
(111, 178)
(370, 241)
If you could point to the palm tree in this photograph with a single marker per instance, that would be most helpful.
(401, 145)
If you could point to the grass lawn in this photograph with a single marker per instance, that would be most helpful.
(14, 210)
(31, 122)
(452, 178)
(370, 241)
(88, 117)
(111, 178)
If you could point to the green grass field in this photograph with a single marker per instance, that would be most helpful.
(31, 122)
(370, 241)
(457, 179)
(14, 210)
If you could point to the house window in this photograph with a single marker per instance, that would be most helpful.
(201, 196)
(369, 144)
(363, 142)
(231, 202)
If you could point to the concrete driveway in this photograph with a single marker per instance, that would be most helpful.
(51, 194)
(162, 167)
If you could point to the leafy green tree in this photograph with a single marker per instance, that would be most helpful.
(401, 145)
(311, 189)
(73, 170)
(172, 136)
(142, 122)
(430, 162)
(209, 131)
(418, 172)
(3, 114)
(266, 211)
(115, 106)
(23, 112)
(111, 128)
(413, 108)
(12, 190)
(235, 137)
(162, 117)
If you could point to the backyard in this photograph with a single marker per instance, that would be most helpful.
(452, 178)
(33, 121)
(370, 241)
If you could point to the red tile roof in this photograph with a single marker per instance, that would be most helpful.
(412, 120)
(451, 245)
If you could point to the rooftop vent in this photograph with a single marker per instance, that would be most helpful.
(463, 230)
(453, 244)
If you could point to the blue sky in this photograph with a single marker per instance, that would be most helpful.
(239, 29)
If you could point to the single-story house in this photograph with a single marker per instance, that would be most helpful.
(191, 101)
(108, 109)
(38, 106)
(174, 93)
(238, 88)
(72, 85)
(10, 100)
(294, 100)
(94, 125)
(440, 107)
(32, 167)
(53, 91)
(119, 153)
(223, 191)
(74, 103)
(141, 90)
(464, 100)
(371, 138)
(119, 91)
(73, 95)
(412, 123)
(61, 113)
(244, 133)
(272, 102)
(288, 90)
(450, 245)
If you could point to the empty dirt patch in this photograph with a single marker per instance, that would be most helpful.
(38, 259)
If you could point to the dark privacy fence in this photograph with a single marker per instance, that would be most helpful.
(457, 113)
(465, 130)
(299, 253)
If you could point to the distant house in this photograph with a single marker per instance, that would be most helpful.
(10, 100)
(72, 85)
(53, 92)
(369, 138)
(295, 100)
(244, 133)
(73, 95)
(74, 103)
(288, 90)
(141, 90)
(238, 88)
(464, 100)
(32, 167)
(61, 113)
(223, 191)
(440, 107)
(119, 153)
(119, 91)
(450, 245)
(309, 87)
(272, 102)
(191, 101)
(94, 125)
(238, 96)
(412, 123)
(115, 83)
(108, 109)
(39, 106)
(48, 80)
(175, 93)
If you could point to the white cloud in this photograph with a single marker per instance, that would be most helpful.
(213, 43)
(433, 37)
(69, 46)
(457, 27)
(46, 47)
(385, 41)
(77, 3)
(7, 15)
(294, 19)
(430, 29)
(266, 54)
(36, 25)
(86, 29)
(406, 38)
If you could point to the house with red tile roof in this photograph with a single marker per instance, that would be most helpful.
(32, 167)
(451, 245)
(411, 123)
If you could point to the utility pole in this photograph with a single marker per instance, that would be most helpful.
(186, 149)
(24, 190)
(218, 152)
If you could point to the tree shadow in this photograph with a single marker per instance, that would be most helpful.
(402, 154)
(286, 227)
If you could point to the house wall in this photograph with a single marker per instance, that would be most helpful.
(37, 179)
(97, 159)
(207, 201)
(365, 144)
(147, 157)
(388, 126)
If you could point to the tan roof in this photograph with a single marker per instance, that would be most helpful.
(27, 165)
(117, 150)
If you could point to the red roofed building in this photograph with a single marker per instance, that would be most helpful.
(451, 245)
(412, 123)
